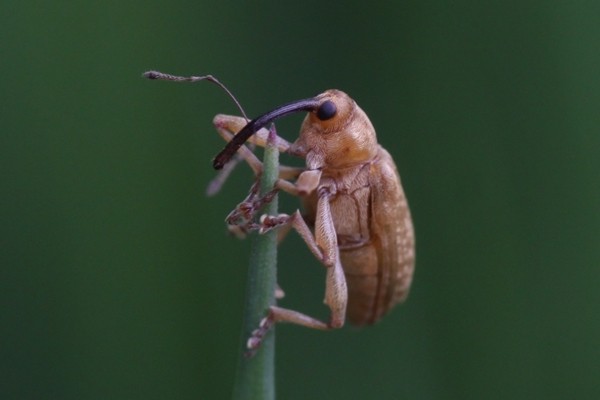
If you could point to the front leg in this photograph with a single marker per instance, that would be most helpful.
(241, 220)
(228, 126)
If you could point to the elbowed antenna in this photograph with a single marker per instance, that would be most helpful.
(260, 122)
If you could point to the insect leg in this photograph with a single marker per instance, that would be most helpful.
(284, 221)
(336, 290)
(335, 282)
(228, 126)
(278, 314)
(241, 219)
(234, 124)
(324, 246)
(307, 182)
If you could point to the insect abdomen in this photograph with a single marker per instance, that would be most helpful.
(365, 283)
(379, 273)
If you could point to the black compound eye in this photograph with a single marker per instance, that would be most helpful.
(327, 110)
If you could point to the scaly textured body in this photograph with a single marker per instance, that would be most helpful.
(374, 233)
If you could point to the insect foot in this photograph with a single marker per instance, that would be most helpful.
(255, 340)
(268, 222)
(240, 220)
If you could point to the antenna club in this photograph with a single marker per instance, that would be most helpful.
(151, 75)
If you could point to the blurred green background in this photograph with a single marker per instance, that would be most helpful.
(119, 280)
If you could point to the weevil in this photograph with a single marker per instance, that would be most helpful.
(356, 218)
(353, 199)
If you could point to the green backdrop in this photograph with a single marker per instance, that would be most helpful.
(119, 280)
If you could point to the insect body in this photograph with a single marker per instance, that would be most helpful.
(353, 199)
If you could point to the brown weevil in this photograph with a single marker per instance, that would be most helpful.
(352, 198)
(356, 218)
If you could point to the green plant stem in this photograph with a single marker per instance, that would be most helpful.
(255, 377)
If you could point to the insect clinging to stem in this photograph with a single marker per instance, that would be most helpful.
(356, 218)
